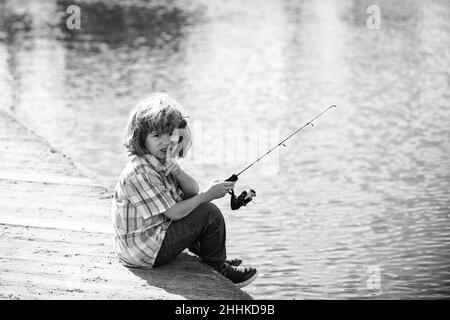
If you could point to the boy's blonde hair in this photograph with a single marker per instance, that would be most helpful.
(157, 113)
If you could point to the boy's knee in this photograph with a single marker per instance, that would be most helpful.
(212, 211)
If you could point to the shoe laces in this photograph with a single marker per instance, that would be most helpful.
(231, 268)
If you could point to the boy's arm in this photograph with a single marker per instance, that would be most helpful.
(187, 184)
(215, 191)
(183, 208)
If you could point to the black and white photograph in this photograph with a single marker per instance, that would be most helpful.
(245, 150)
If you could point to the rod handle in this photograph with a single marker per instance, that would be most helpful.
(232, 178)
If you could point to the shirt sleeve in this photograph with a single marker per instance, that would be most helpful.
(148, 195)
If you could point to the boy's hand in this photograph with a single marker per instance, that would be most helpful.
(218, 189)
(172, 165)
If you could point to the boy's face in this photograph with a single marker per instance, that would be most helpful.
(157, 144)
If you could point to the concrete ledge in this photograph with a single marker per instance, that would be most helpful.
(56, 234)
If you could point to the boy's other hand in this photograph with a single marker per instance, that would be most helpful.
(218, 189)
(172, 165)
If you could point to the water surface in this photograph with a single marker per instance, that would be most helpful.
(363, 193)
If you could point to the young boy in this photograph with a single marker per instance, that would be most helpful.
(158, 209)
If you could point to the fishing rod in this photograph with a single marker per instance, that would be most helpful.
(247, 195)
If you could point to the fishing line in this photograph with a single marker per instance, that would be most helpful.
(247, 195)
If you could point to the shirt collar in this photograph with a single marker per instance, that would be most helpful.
(154, 162)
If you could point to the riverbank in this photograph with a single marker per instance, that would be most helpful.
(56, 234)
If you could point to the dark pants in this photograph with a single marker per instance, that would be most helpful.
(202, 232)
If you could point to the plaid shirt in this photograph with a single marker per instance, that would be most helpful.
(142, 194)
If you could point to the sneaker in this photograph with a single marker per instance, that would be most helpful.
(236, 262)
(240, 276)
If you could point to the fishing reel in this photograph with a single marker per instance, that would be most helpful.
(245, 197)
